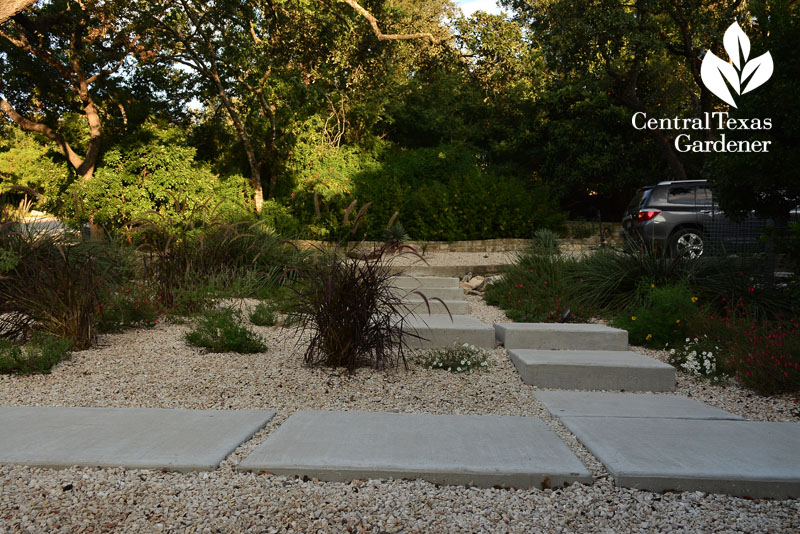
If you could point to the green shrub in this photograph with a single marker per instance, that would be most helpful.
(661, 319)
(38, 355)
(221, 331)
(456, 359)
(263, 315)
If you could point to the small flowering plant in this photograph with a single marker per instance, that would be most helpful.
(662, 317)
(132, 306)
(699, 356)
(463, 358)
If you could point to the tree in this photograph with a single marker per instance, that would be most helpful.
(56, 58)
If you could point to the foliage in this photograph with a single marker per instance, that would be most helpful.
(28, 161)
(221, 331)
(348, 308)
(540, 287)
(39, 355)
(55, 286)
(661, 319)
(263, 315)
(456, 359)
(144, 174)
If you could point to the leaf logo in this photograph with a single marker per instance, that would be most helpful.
(740, 74)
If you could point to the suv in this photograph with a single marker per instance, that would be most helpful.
(682, 218)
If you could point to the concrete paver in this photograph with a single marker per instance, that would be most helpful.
(607, 404)
(475, 450)
(561, 336)
(137, 438)
(741, 458)
(443, 331)
(592, 369)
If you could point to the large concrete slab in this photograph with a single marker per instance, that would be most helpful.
(137, 438)
(415, 282)
(444, 293)
(607, 404)
(592, 369)
(560, 336)
(442, 331)
(742, 458)
(455, 307)
(484, 451)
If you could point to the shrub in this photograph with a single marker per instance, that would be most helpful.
(263, 315)
(221, 331)
(38, 355)
(765, 357)
(456, 359)
(661, 319)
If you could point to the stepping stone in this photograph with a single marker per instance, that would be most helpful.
(561, 336)
(416, 282)
(741, 458)
(136, 438)
(592, 369)
(485, 451)
(441, 331)
(456, 307)
(604, 404)
(444, 293)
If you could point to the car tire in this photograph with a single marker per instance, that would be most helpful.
(689, 243)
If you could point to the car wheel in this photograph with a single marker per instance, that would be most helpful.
(688, 243)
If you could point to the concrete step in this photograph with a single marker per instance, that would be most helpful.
(592, 369)
(414, 282)
(742, 458)
(444, 293)
(456, 307)
(135, 438)
(560, 336)
(439, 331)
(479, 450)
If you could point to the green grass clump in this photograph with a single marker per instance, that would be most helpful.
(263, 315)
(38, 355)
(456, 359)
(221, 331)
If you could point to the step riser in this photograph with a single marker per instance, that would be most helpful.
(457, 307)
(439, 331)
(444, 293)
(411, 282)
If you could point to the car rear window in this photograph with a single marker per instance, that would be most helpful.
(638, 199)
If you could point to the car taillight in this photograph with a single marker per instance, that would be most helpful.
(646, 215)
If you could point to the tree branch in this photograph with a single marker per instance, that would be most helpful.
(373, 22)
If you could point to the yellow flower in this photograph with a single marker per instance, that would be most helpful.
(649, 337)
(677, 321)
(652, 286)
(695, 299)
(633, 317)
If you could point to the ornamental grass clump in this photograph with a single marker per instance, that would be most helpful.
(221, 330)
(346, 306)
(459, 358)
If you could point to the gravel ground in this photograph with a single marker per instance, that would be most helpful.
(155, 368)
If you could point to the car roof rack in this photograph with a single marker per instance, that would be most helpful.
(671, 182)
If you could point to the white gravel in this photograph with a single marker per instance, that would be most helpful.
(155, 368)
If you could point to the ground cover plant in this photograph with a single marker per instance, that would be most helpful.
(263, 315)
(38, 355)
(460, 358)
(221, 330)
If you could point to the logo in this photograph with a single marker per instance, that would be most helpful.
(740, 74)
